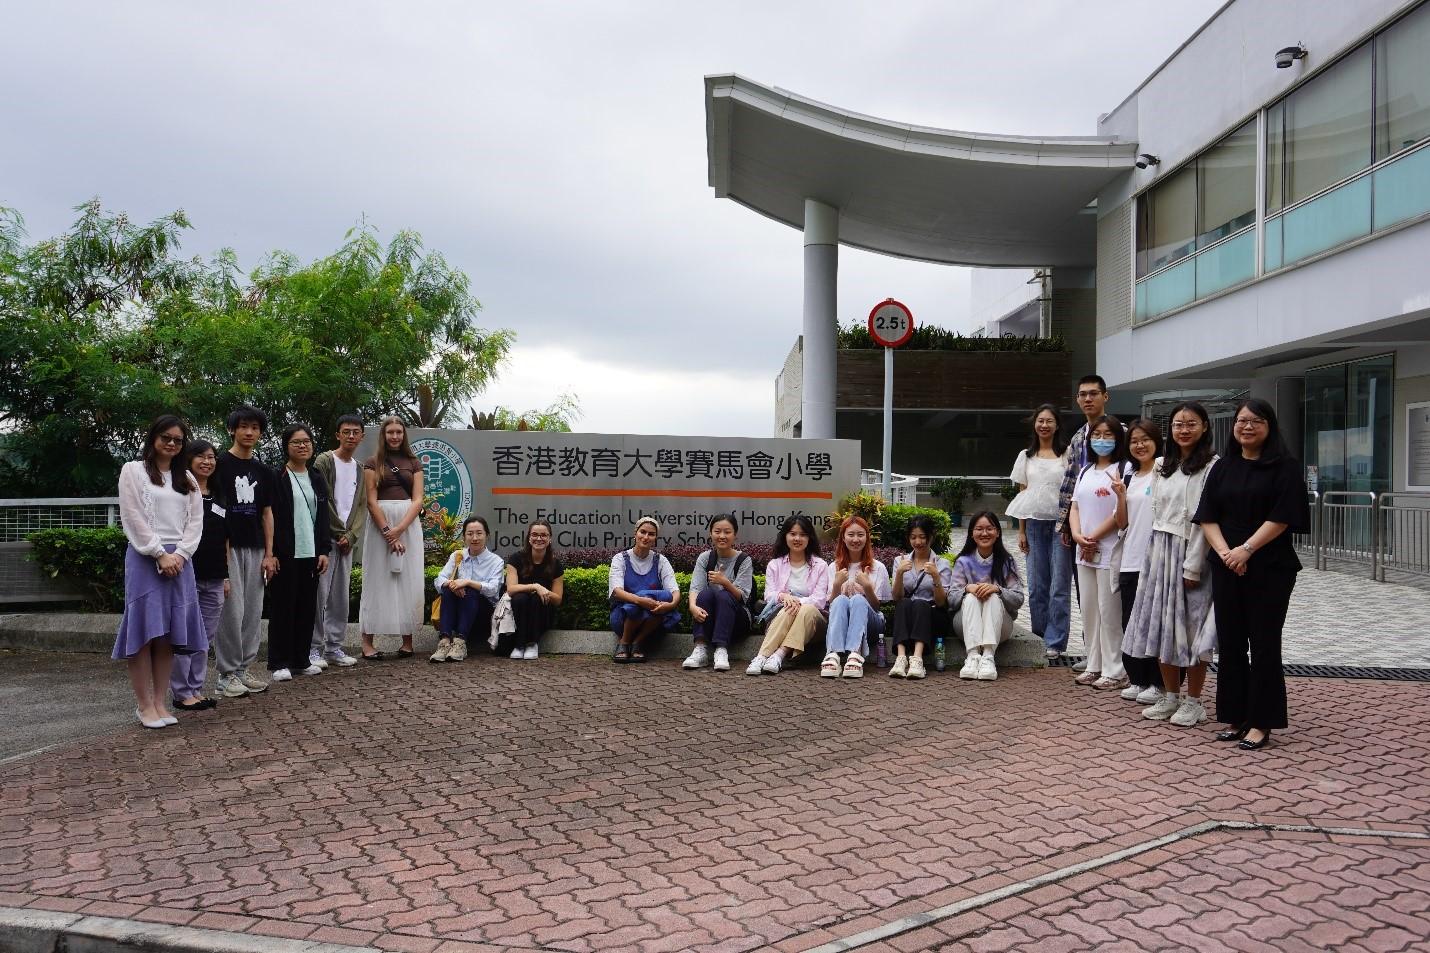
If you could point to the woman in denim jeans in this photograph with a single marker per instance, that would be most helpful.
(1038, 471)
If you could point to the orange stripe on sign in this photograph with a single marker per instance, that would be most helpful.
(695, 494)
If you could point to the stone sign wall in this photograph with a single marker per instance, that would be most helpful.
(591, 488)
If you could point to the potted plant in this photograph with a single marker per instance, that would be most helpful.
(1008, 492)
(952, 491)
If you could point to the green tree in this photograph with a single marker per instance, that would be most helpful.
(105, 327)
(556, 418)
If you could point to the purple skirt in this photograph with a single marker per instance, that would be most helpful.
(158, 607)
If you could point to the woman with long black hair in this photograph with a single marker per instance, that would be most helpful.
(535, 581)
(986, 595)
(163, 519)
(1254, 499)
(796, 592)
(922, 580)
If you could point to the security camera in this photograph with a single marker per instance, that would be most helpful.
(1288, 55)
(1145, 159)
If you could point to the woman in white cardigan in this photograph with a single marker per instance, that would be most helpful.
(1171, 619)
(163, 519)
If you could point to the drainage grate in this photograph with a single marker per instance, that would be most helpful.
(1311, 671)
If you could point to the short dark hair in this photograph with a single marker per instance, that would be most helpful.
(247, 414)
(1275, 446)
(349, 419)
(474, 518)
(291, 431)
(1153, 431)
(806, 525)
(921, 522)
(1093, 379)
(723, 518)
(1119, 434)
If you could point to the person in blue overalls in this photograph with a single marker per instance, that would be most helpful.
(643, 592)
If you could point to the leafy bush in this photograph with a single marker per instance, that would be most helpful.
(868, 506)
(91, 558)
(855, 337)
(894, 523)
(1009, 491)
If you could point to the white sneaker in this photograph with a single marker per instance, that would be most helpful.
(1150, 695)
(970, 667)
(1080, 666)
(444, 646)
(516, 653)
(1166, 706)
(1131, 692)
(252, 682)
(1189, 713)
(916, 668)
(530, 652)
(1051, 654)
(282, 675)
(900, 668)
(987, 668)
(772, 665)
(459, 650)
(342, 659)
(699, 658)
(756, 664)
(313, 670)
(231, 687)
(315, 659)
(722, 660)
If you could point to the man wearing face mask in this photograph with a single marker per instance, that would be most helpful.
(1092, 401)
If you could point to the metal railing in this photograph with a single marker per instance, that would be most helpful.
(902, 489)
(1369, 532)
(20, 579)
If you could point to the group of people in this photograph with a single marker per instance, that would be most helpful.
(1175, 552)
(212, 533)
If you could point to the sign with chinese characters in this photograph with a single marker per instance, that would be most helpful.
(591, 488)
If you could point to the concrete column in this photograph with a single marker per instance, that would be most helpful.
(821, 293)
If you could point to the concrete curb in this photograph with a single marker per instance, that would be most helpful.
(40, 931)
(94, 632)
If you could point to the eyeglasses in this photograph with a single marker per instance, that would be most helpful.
(1250, 422)
(170, 440)
(1187, 426)
(300, 443)
(1088, 394)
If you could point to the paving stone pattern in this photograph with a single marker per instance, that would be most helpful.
(569, 804)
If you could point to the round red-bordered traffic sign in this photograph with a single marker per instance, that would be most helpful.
(891, 323)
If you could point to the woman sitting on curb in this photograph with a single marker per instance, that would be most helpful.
(643, 593)
(722, 581)
(986, 595)
(858, 585)
(535, 583)
(468, 586)
(921, 583)
(796, 590)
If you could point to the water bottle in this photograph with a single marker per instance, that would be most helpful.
(881, 655)
(938, 654)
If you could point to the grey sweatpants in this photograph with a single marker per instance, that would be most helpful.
(331, 622)
(239, 629)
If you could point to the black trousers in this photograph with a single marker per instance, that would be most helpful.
(918, 620)
(292, 606)
(532, 618)
(1250, 614)
(1140, 671)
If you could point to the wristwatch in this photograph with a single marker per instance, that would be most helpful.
(1247, 547)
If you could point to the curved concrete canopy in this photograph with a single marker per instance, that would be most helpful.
(910, 191)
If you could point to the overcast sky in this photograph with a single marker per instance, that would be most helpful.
(553, 151)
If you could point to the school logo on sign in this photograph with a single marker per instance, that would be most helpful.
(445, 475)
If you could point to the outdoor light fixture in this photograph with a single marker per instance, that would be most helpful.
(1145, 159)
(1288, 55)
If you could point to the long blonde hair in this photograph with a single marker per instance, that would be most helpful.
(379, 457)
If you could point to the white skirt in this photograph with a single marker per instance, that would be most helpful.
(391, 601)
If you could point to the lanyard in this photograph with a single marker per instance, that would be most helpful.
(310, 499)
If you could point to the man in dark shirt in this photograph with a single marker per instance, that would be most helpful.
(248, 485)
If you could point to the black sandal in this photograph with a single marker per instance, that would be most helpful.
(636, 654)
(374, 657)
(622, 653)
(404, 653)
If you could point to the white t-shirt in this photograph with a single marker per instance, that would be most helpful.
(1096, 501)
(345, 475)
(1139, 520)
(1043, 477)
(171, 511)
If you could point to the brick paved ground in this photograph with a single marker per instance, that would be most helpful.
(569, 804)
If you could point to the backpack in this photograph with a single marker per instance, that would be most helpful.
(752, 599)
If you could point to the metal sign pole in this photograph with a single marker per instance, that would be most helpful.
(888, 419)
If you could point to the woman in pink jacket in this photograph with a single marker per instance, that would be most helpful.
(796, 592)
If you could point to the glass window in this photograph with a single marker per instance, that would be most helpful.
(1226, 186)
(1402, 72)
(1166, 221)
(1321, 133)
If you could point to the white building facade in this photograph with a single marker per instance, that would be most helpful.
(1280, 244)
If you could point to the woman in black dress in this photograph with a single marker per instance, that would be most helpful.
(1254, 499)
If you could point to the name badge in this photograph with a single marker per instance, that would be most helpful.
(217, 510)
